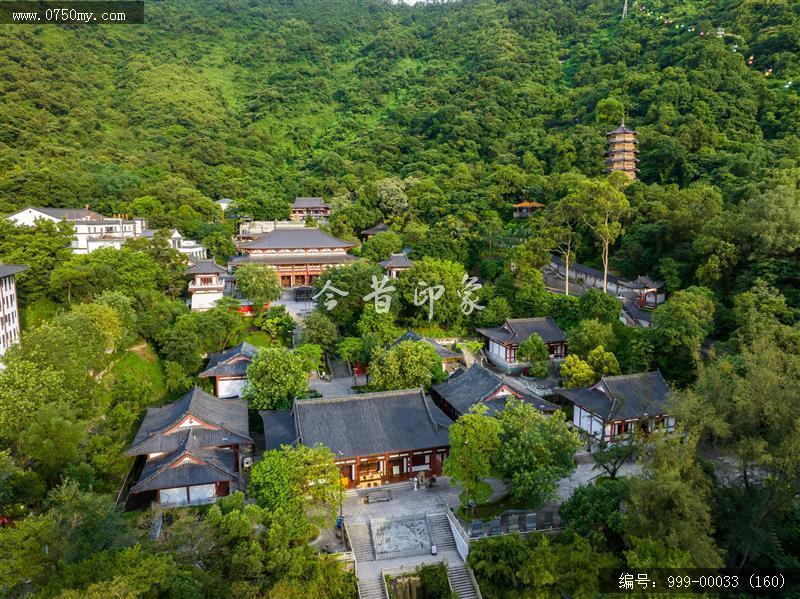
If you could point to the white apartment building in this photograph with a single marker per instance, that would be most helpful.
(94, 231)
(9, 309)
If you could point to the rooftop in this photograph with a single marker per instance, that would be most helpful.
(467, 387)
(190, 464)
(443, 352)
(204, 267)
(397, 261)
(296, 238)
(231, 362)
(218, 422)
(7, 270)
(624, 397)
(517, 330)
(371, 423)
(309, 203)
(379, 228)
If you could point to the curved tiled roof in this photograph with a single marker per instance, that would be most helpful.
(517, 330)
(218, 362)
(296, 238)
(228, 415)
(371, 423)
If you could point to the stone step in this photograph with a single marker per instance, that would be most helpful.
(360, 537)
(372, 588)
(441, 534)
(584, 457)
(461, 582)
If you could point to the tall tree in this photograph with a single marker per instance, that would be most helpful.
(259, 283)
(604, 206)
(274, 378)
(474, 443)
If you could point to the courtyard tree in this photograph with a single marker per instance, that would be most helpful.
(301, 483)
(535, 351)
(427, 276)
(381, 246)
(576, 372)
(274, 378)
(258, 283)
(319, 329)
(587, 335)
(603, 362)
(276, 322)
(474, 446)
(409, 364)
(536, 451)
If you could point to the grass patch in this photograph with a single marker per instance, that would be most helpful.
(38, 312)
(141, 362)
(258, 338)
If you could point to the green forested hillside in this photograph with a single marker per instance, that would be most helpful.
(471, 104)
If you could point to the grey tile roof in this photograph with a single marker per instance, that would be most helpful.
(379, 228)
(204, 267)
(230, 415)
(288, 259)
(624, 397)
(278, 428)
(621, 129)
(636, 312)
(308, 203)
(517, 330)
(295, 238)
(643, 282)
(466, 388)
(221, 364)
(6, 270)
(209, 465)
(443, 352)
(583, 269)
(397, 261)
(372, 423)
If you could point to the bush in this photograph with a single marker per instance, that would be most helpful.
(433, 582)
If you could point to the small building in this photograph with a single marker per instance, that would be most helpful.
(303, 208)
(650, 293)
(250, 230)
(617, 406)
(188, 247)
(396, 264)
(622, 151)
(299, 254)
(376, 438)
(9, 306)
(189, 450)
(224, 204)
(92, 230)
(372, 231)
(525, 209)
(449, 357)
(228, 369)
(477, 385)
(634, 316)
(207, 286)
(504, 341)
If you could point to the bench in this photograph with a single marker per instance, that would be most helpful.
(378, 496)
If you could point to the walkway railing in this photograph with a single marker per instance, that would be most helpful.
(346, 537)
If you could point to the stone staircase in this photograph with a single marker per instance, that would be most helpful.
(372, 588)
(441, 535)
(461, 581)
(584, 457)
(360, 537)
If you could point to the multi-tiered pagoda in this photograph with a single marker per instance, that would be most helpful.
(621, 153)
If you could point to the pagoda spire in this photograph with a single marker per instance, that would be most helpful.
(622, 148)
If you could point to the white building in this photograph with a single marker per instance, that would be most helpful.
(207, 286)
(92, 230)
(188, 247)
(616, 407)
(9, 308)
